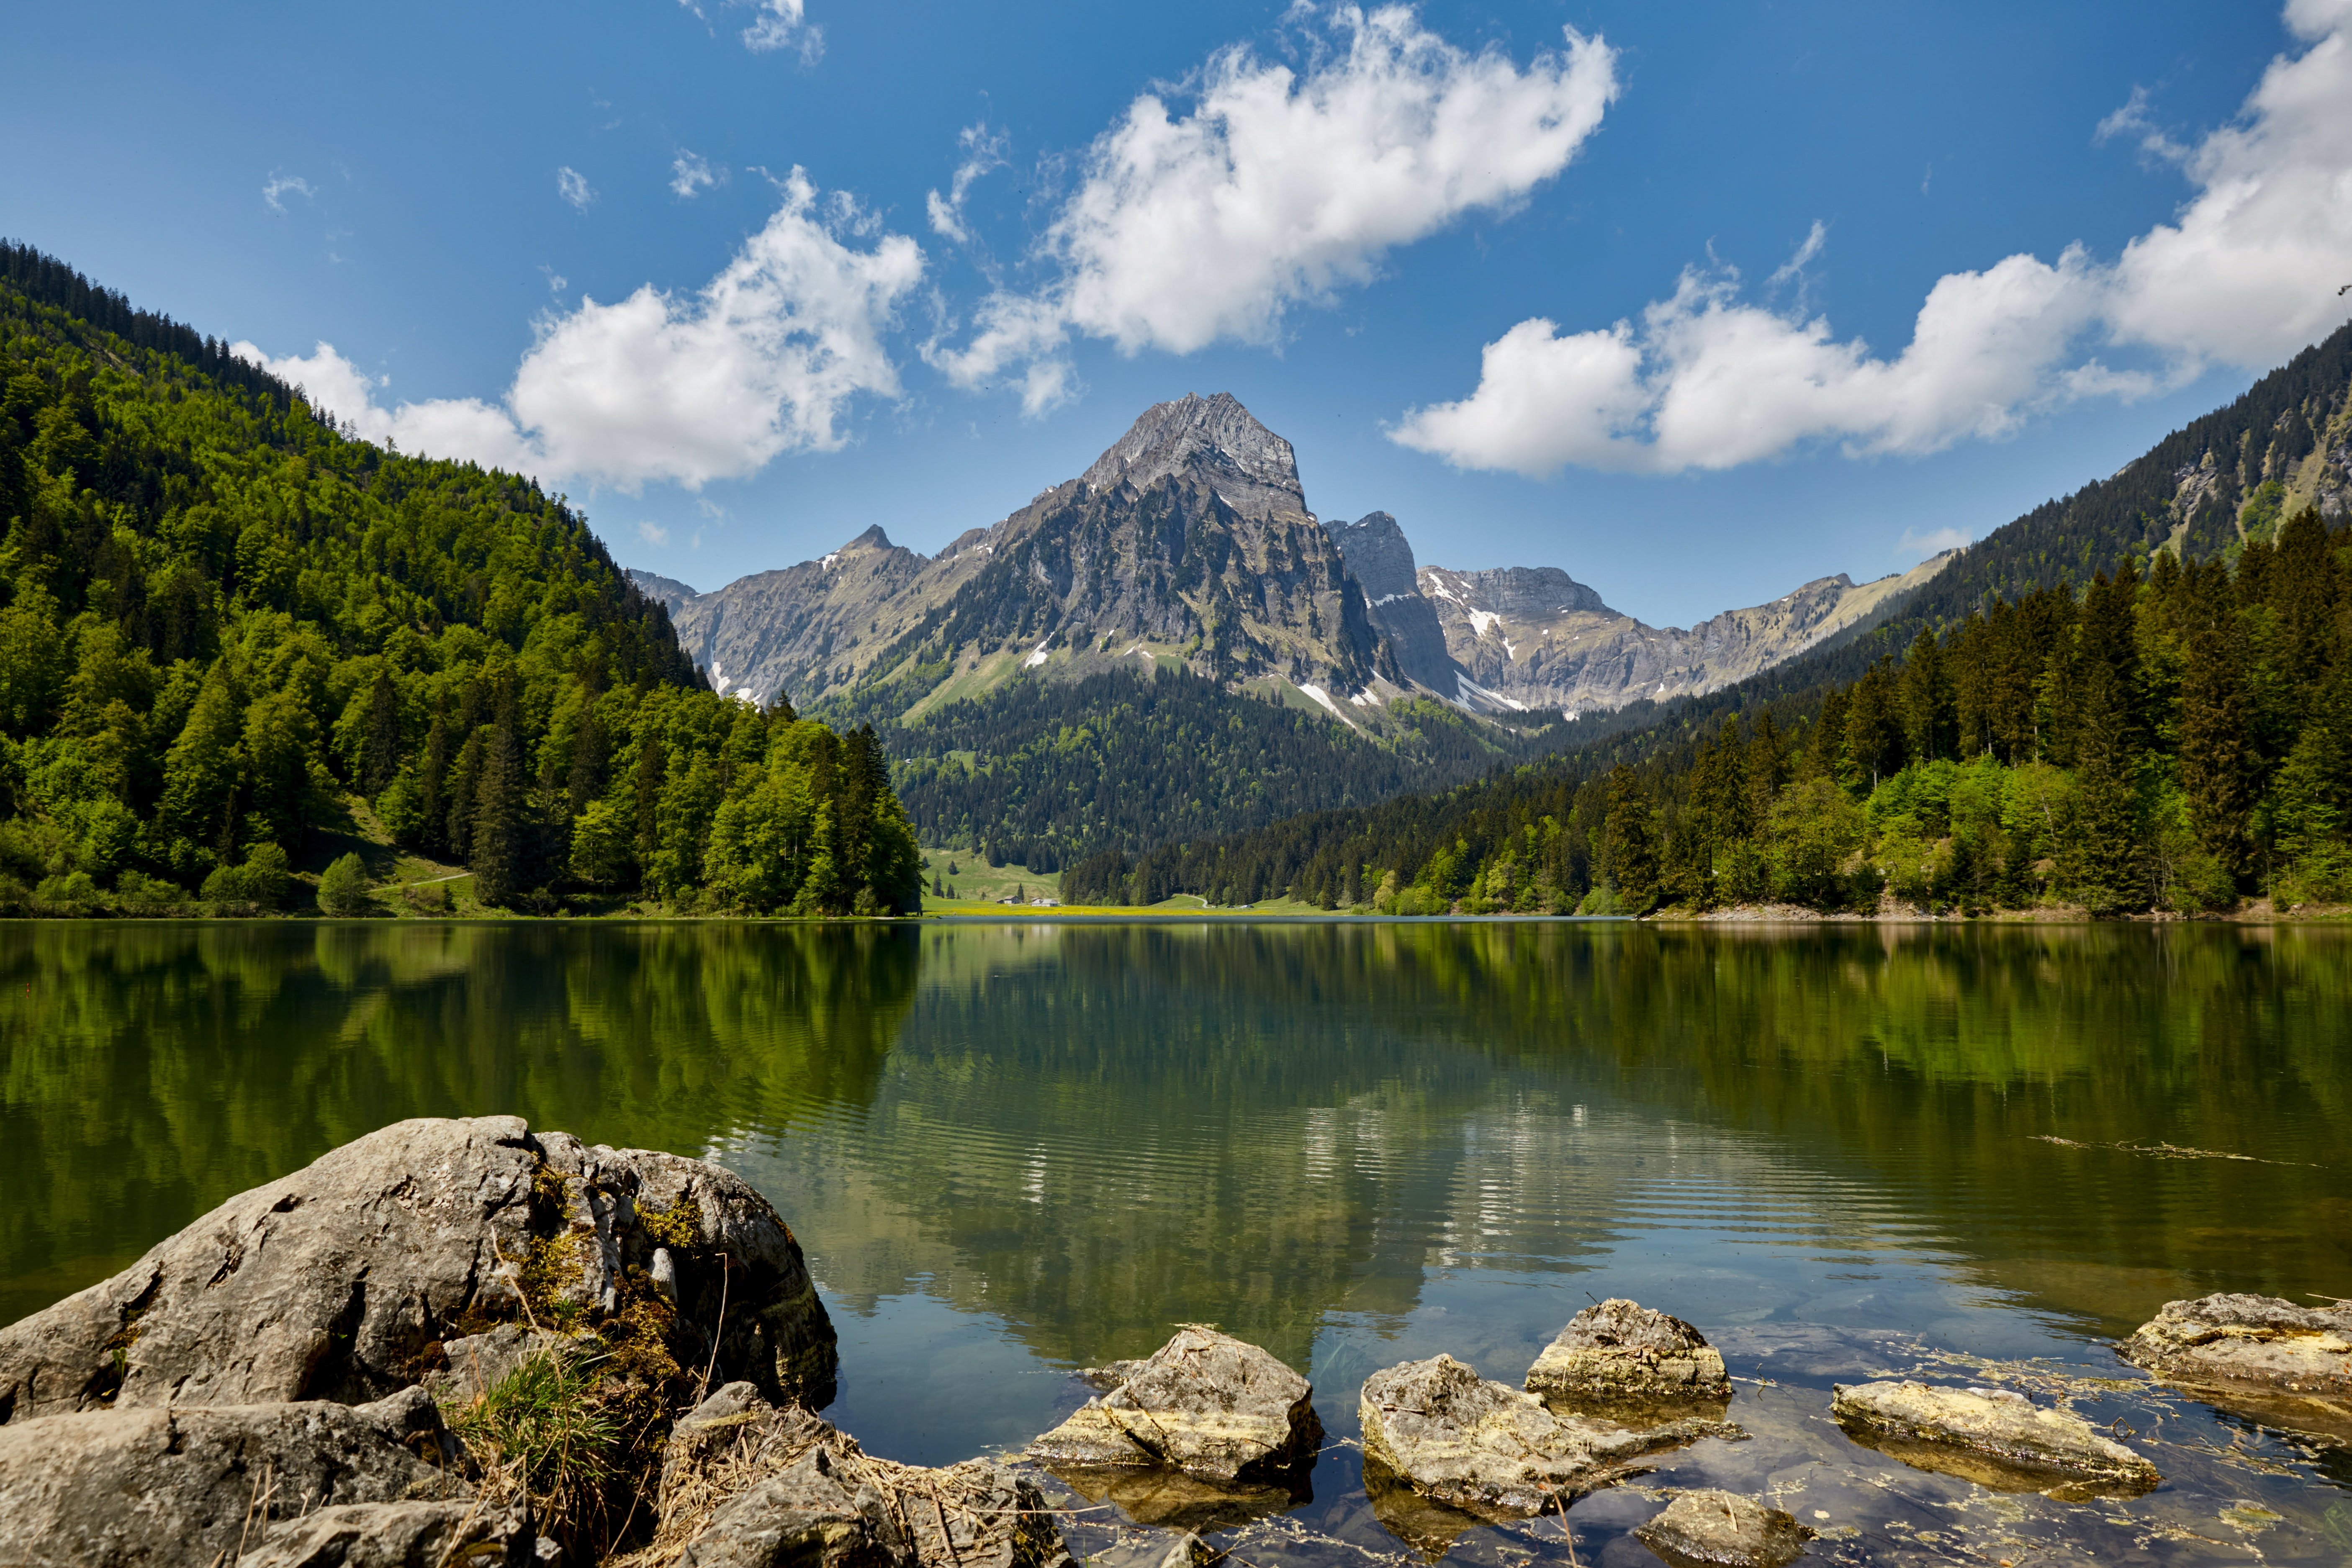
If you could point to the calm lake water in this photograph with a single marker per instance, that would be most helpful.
(1014, 1150)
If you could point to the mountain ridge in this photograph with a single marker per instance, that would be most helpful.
(1115, 564)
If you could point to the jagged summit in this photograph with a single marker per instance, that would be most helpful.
(1217, 439)
(1379, 555)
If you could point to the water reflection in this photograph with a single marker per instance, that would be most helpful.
(1057, 1141)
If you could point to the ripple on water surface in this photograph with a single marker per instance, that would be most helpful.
(1970, 1154)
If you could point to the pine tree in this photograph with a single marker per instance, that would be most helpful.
(1628, 851)
(1874, 728)
(2217, 756)
(1929, 720)
(433, 780)
(497, 858)
(380, 744)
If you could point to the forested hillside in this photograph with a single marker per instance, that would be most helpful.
(1044, 772)
(227, 627)
(2177, 741)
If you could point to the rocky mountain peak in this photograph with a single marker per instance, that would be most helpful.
(1216, 440)
(1378, 553)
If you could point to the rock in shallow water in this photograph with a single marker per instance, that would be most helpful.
(1206, 1404)
(341, 1281)
(1724, 1530)
(1619, 1354)
(2251, 1341)
(1998, 1438)
(1491, 1450)
(189, 1484)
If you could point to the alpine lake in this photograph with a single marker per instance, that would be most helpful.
(1974, 1155)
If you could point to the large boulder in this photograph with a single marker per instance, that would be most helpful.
(1724, 1530)
(1488, 1450)
(1206, 1404)
(2247, 1341)
(1620, 1355)
(402, 1535)
(179, 1484)
(345, 1279)
(1995, 1437)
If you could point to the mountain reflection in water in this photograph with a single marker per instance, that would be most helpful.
(1013, 1150)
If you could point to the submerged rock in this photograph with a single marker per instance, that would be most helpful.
(1724, 1530)
(1488, 1450)
(2249, 1341)
(1206, 1404)
(402, 1535)
(1995, 1437)
(1619, 1354)
(346, 1279)
(201, 1484)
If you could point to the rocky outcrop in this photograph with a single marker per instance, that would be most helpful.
(1215, 438)
(2255, 1343)
(347, 1279)
(1206, 1404)
(194, 1484)
(1490, 1451)
(1381, 559)
(1996, 1438)
(1619, 1355)
(402, 1535)
(743, 1481)
(1534, 638)
(1724, 1530)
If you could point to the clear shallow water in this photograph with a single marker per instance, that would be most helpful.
(1014, 1150)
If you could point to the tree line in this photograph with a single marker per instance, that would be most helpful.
(229, 630)
(2180, 740)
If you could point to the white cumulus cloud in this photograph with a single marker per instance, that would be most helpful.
(573, 188)
(764, 359)
(1281, 186)
(2245, 275)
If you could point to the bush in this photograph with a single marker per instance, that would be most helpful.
(258, 884)
(343, 889)
(72, 891)
(146, 895)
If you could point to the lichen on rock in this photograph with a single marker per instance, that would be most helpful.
(1492, 1451)
(1618, 1355)
(1995, 1437)
(1212, 1406)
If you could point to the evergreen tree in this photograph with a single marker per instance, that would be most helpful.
(1629, 854)
(1930, 719)
(380, 753)
(497, 858)
(2217, 757)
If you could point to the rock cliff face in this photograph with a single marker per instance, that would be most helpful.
(1190, 540)
(1539, 639)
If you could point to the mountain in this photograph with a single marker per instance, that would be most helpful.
(1189, 544)
(2138, 695)
(1520, 639)
(1172, 645)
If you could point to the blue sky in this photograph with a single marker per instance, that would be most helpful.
(1631, 291)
